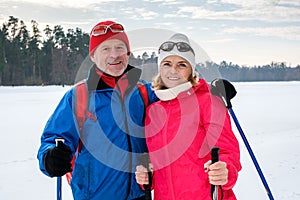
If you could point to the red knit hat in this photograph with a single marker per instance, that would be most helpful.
(95, 41)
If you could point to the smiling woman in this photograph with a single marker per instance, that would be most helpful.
(183, 127)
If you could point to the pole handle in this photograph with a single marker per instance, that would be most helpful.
(215, 155)
(59, 141)
(214, 159)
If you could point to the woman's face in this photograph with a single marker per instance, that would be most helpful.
(175, 70)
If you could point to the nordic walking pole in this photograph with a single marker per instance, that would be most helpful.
(58, 185)
(144, 159)
(226, 91)
(214, 159)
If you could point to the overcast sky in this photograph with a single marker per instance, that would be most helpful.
(253, 32)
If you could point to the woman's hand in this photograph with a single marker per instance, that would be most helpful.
(141, 174)
(217, 172)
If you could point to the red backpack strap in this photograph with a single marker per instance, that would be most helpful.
(81, 104)
(144, 93)
(81, 107)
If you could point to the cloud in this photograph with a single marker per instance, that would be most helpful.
(66, 3)
(165, 2)
(164, 24)
(244, 11)
(290, 33)
(252, 3)
(262, 3)
(290, 2)
(140, 13)
(220, 41)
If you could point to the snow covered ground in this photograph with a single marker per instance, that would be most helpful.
(268, 112)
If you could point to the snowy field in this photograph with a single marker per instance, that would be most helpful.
(269, 113)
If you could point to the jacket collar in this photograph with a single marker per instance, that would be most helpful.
(172, 93)
(181, 91)
(96, 82)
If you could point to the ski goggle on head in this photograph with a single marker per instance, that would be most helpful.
(181, 46)
(102, 29)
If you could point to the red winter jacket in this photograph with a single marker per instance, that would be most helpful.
(180, 134)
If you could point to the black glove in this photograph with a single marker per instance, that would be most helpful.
(223, 89)
(58, 159)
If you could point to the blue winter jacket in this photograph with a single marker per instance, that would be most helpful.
(112, 143)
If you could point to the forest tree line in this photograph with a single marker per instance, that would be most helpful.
(53, 56)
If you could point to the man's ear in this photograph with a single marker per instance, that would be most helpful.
(92, 57)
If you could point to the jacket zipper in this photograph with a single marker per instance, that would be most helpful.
(128, 142)
(167, 153)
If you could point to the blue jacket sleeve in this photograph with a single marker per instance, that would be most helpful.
(151, 95)
(62, 124)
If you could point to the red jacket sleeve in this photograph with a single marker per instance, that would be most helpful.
(216, 121)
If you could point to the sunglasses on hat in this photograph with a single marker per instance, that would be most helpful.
(181, 46)
(102, 29)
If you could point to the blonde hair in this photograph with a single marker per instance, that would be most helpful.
(158, 84)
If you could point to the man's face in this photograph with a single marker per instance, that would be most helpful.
(111, 57)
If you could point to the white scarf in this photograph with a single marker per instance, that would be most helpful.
(171, 93)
